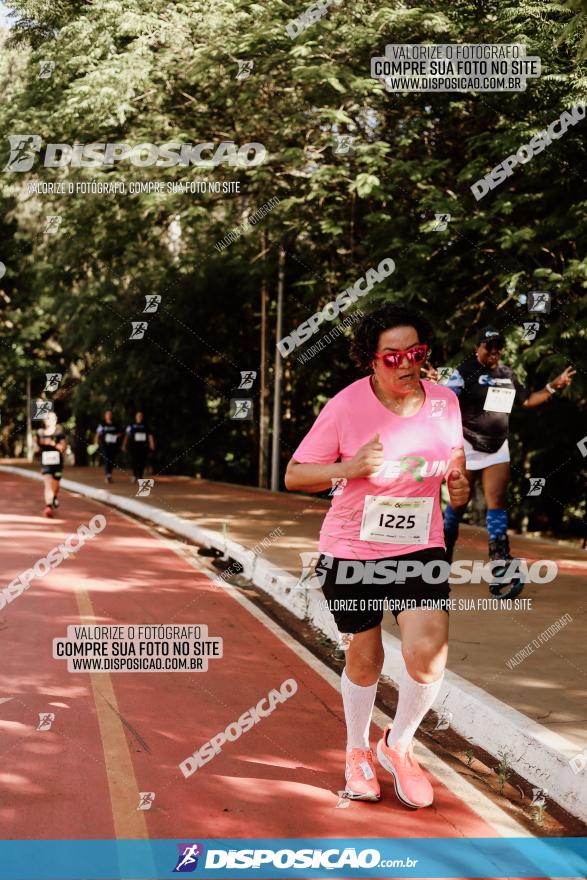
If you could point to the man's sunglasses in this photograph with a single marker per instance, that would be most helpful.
(416, 354)
(492, 346)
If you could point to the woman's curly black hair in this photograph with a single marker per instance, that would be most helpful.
(366, 336)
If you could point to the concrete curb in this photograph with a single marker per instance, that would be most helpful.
(536, 753)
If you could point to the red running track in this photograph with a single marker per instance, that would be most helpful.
(117, 734)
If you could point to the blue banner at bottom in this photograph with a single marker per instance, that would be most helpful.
(302, 858)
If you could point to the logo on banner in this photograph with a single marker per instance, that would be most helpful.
(241, 409)
(138, 329)
(344, 641)
(338, 485)
(52, 381)
(441, 222)
(537, 484)
(444, 373)
(343, 801)
(52, 223)
(437, 407)
(46, 69)
(146, 799)
(46, 719)
(41, 409)
(245, 68)
(531, 328)
(189, 854)
(539, 797)
(444, 720)
(247, 379)
(152, 302)
(23, 148)
(311, 578)
(539, 301)
(343, 143)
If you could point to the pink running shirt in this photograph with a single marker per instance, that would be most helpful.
(417, 450)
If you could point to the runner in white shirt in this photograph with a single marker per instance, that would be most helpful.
(50, 444)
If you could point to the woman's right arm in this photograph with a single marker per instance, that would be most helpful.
(300, 477)
(318, 477)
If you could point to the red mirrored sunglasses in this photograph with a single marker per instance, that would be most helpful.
(416, 354)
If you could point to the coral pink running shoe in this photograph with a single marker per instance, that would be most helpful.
(361, 781)
(411, 785)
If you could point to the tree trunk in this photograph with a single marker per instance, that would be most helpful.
(275, 447)
(263, 477)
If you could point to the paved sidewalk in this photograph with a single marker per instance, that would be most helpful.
(549, 685)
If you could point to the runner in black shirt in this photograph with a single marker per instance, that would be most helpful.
(51, 444)
(487, 391)
(107, 437)
(138, 439)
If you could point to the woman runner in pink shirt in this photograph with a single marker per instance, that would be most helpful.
(387, 441)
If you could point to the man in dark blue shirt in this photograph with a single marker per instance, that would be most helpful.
(138, 439)
(107, 437)
(487, 391)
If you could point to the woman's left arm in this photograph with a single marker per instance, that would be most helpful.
(537, 398)
(456, 481)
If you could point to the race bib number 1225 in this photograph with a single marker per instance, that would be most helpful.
(390, 520)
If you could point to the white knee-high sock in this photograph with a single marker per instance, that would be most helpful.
(358, 705)
(415, 699)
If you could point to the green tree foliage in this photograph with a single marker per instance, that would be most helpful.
(153, 72)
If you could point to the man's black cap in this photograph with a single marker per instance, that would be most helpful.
(491, 336)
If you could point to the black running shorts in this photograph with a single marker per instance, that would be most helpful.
(55, 470)
(359, 606)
